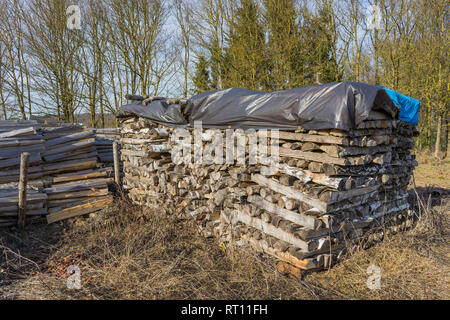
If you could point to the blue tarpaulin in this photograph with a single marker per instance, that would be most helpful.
(409, 107)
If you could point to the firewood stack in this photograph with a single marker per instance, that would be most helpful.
(331, 190)
(65, 178)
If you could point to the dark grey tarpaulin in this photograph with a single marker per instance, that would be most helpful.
(157, 111)
(341, 105)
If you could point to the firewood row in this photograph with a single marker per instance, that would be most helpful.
(65, 178)
(329, 192)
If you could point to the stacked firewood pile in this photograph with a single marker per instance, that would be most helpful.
(330, 190)
(64, 176)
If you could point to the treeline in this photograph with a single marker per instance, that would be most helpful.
(51, 68)
(179, 48)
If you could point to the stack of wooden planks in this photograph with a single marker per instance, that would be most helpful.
(78, 183)
(104, 139)
(17, 137)
(65, 178)
(329, 191)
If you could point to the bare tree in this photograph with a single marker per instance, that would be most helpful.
(183, 13)
(17, 74)
(136, 31)
(91, 59)
(55, 49)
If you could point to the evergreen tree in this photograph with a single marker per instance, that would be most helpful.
(215, 64)
(319, 45)
(246, 56)
(284, 45)
(201, 78)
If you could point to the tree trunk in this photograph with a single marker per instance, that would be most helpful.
(445, 135)
(3, 106)
(429, 127)
(91, 108)
(437, 146)
(100, 84)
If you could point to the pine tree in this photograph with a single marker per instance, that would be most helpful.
(284, 45)
(215, 64)
(246, 55)
(318, 46)
(201, 78)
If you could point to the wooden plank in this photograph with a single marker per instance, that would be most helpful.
(82, 175)
(70, 165)
(78, 186)
(336, 196)
(141, 141)
(312, 156)
(133, 153)
(312, 138)
(34, 212)
(72, 146)
(57, 207)
(15, 172)
(306, 176)
(89, 152)
(18, 133)
(15, 207)
(289, 192)
(7, 143)
(271, 230)
(305, 264)
(295, 217)
(30, 198)
(78, 210)
(78, 194)
(51, 143)
(7, 153)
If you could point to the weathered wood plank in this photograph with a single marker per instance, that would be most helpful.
(312, 156)
(289, 192)
(312, 138)
(78, 210)
(18, 133)
(295, 217)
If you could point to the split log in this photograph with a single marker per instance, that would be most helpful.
(78, 210)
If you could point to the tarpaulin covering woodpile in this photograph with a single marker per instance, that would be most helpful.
(343, 105)
(330, 190)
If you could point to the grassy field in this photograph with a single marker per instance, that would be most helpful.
(432, 172)
(127, 252)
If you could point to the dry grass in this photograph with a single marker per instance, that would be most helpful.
(128, 252)
(432, 172)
